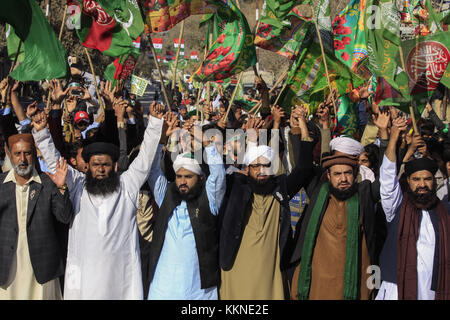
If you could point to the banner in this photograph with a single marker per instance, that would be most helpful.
(138, 85)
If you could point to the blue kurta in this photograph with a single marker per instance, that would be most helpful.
(177, 274)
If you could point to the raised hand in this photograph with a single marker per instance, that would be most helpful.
(156, 110)
(278, 115)
(107, 92)
(382, 120)
(323, 113)
(71, 103)
(119, 106)
(86, 94)
(32, 109)
(57, 93)
(398, 125)
(59, 177)
(172, 120)
(39, 121)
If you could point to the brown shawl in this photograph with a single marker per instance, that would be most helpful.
(408, 234)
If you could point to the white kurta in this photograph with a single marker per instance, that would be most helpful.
(391, 199)
(103, 259)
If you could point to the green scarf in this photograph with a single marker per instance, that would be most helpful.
(351, 251)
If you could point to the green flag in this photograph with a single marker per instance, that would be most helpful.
(349, 35)
(12, 42)
(100, 30)
(427, 64)
(307, 82)
(44, 55)
(233, 51)
(383, 44)
(282, 27)
(127, 14)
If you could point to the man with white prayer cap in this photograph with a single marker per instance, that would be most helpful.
(346, 145)
(349, 146)
(184, 262)
(256, 233)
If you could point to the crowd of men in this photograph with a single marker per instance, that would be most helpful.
(118, 203)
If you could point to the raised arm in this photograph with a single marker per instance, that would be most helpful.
(45, 144)
(302, 146)
(390, 191)
(139, 169)
(216, 182)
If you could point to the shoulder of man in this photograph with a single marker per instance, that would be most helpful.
(3, 176)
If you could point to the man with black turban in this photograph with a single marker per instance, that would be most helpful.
(415, 258)
(103, 260)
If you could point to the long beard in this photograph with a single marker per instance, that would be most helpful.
(192, 193)
(423, 200)
(102, 186)
(262, 187)
(343, 195)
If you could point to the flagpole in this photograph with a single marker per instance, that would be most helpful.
(178, 54)
(95, 78)
(234, 94)
(324, 61)
(62, 24)
(163, 87)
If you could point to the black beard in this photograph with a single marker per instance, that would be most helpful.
(262, 187)
(423, 201)
(343, 195)
(102, 187)
(192, 193)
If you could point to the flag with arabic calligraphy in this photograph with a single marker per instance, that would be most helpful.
(282, 27)
(427, 65)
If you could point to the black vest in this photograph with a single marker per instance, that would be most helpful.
(204, 226)
(388, 256)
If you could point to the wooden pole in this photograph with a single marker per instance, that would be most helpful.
(174, 78)
(63, 22)
(233, 96)
(324, 62)
(163, 87)
(95, 78)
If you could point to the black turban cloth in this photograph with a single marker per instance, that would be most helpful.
(419, 165)
(100, 148)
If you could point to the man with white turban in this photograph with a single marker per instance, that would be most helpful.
(256, 233)
(184, 250)
(349, 146)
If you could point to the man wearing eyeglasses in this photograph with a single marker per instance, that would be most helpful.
(256, 233)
